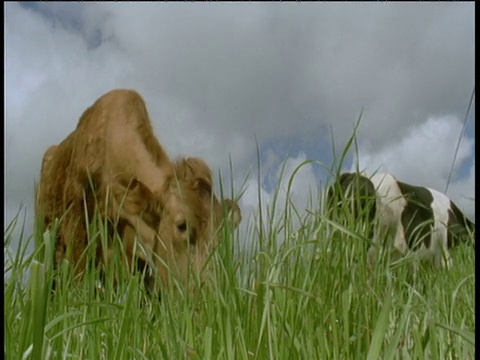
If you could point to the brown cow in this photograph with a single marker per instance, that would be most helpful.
(113, 164)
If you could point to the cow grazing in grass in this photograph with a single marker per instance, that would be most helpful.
(422, 219)
(113, 165)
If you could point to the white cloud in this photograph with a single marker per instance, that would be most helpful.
(216, 77)
(294, 177)
(462, 192)
(299, 175)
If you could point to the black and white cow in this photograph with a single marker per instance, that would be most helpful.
(422, 219)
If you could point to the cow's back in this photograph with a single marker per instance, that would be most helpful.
(113, 142)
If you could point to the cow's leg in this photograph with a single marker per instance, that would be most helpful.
(379, 243)
(72, 242)
(146, 235)
(437, 251)
(439, 245)
(400, 242)
(401, 245)
(143, 242)
(373, 250)
(128, 201)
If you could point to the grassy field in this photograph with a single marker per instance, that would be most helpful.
(304, 291)
(293, 284)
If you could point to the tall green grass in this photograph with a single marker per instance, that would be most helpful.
(303, 290)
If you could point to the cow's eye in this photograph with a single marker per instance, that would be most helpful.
(182, 226)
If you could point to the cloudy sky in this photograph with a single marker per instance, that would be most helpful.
(218, 79)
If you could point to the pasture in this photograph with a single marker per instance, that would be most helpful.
(295, 285)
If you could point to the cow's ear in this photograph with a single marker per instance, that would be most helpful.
(204, 188)
(232, 210)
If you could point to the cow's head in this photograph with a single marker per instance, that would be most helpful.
(191, 216)
(177, 229)
(351, 195)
